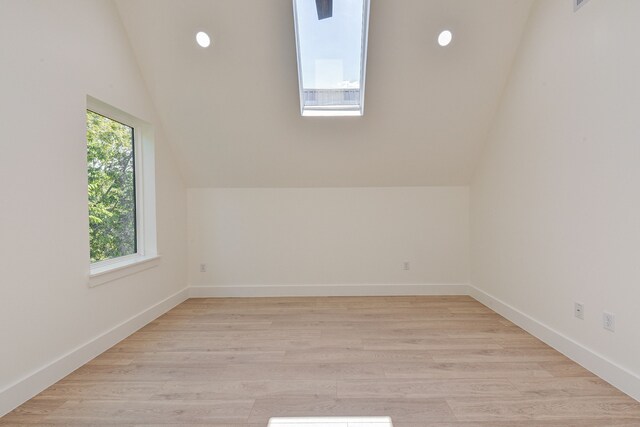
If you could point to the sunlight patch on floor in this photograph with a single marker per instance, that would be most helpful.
(330, 422)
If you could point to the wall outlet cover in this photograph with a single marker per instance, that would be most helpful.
(609, 321)
(578, 310)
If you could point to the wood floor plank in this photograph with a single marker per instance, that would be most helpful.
(155, 411)
(400, 410)
(487, 369)
(206, 357)
(459, 346)
(232, 389)
(424, 361)
(572, 408)
(357, 355)
(34, 411)
(304, 371)
(499, 355)
(563, 387)
(102, 390)
(427, 388)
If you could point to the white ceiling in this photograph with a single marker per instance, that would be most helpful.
(232, 111)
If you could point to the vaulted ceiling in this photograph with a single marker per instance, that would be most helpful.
(232, 111)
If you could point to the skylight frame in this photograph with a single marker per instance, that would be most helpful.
(336, 110)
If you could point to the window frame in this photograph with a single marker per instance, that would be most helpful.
(342, 110)
(146, 255)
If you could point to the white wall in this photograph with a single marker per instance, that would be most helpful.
(53, 54)
(233, 112)
(555, 213)
(328, 236)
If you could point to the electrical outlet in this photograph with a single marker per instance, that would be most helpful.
(406, 266)
(609, 321)
(203, 268)
(578, 310)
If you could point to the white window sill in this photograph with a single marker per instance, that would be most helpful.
(104, 273)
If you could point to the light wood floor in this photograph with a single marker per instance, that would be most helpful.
(424, 361)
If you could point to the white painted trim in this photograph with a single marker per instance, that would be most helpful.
(15, 394)
(325, 290)
(145, 186)
(618, 376)
(123, 268)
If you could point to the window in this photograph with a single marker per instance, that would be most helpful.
(121, 191)
(331, 42)
(112, 188)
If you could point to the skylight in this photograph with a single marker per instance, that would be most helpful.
(331, 41)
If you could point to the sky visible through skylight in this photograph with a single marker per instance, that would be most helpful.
(330, 49)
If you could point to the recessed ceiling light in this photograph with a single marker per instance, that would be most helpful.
(445, 38)
(203, 39)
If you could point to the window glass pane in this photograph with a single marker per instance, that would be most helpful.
(331, 37)
(112, 197)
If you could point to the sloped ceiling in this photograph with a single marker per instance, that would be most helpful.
(232, 111)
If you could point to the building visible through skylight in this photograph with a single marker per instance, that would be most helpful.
(331, 41)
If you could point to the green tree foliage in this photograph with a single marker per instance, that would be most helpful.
(112, 217)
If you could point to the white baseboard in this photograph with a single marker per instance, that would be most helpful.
(616, 375)
(16, 394)
(325, 290)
